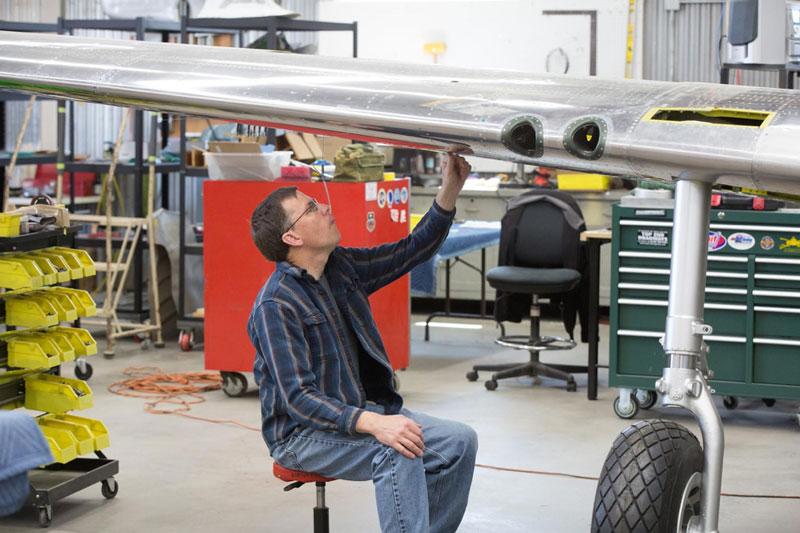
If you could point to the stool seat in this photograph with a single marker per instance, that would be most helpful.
(526, 280)
(285, 474)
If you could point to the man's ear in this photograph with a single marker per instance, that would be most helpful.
(291, 239)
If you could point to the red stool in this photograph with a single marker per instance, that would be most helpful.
(297, 478)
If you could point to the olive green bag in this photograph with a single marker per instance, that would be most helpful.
(358, 162)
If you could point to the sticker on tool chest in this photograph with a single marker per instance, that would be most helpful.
(652, 237)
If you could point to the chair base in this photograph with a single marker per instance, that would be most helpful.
(534, 367)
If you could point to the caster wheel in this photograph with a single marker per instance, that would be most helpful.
(395, 381)
(572, 386)
(109, 487)
(472, 375)
(186, 340)
(730, 402)
(647, 398)
(84, 375)
(45, 517)
(663, 457)
(490, 385)
(234, 384)
(769, 402)
(630, 411)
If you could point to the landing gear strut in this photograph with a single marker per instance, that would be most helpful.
(656, 477)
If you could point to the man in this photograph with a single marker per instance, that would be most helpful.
(327, 400)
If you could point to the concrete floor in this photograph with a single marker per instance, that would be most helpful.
(178, 474)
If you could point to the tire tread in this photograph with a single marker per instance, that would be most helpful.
(634, 478)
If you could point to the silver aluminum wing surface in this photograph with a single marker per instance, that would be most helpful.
(739, 136)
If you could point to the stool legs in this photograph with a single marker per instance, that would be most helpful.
(320, 511)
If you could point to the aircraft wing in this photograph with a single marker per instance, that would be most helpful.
(734, 135)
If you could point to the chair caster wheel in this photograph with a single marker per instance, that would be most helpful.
(491, 384)
(572, 386)
(472, 375)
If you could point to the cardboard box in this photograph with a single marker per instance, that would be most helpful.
(295, 143)
(331, 145)
(233, 147)
(313, 145)
(193, 125)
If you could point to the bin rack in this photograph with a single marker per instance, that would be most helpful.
(56, 394)
(24, 387)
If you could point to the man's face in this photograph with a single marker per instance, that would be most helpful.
(312, 222)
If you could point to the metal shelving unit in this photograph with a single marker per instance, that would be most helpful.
(141, 26)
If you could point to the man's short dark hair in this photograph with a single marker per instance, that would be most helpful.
(268, 224)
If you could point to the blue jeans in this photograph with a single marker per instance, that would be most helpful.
(425, 494)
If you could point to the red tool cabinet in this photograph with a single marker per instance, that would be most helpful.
(367, 214)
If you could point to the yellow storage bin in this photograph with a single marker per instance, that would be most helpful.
(82, 300)
(9, 224)
(56, 394)
(48, 269)
(28, 353)
(81, 256)
(19, 273)
(82, 341)
(70, 263)
(63, 347)
(583, 182)
(83, 438)
(67, 310)
(62, 443)
(59, 263)
(97, 428)
(29, 312)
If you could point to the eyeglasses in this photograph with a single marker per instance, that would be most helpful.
(313, 206)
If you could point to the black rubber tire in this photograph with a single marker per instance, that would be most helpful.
(234, 384)
(472, 375)
(652, 398)
(630, 414)
(730, 402)
(84, 375)
(643, 478)
(490, 385)
(105, 488)
(395, 382)
(769, 402)
(44, 518)
(572, 386)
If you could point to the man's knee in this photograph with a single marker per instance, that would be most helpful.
(467, 438)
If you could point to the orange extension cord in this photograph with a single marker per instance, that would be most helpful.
(151, 382)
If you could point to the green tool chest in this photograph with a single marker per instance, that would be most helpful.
(752, 299)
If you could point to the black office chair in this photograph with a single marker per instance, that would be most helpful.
(540, 255)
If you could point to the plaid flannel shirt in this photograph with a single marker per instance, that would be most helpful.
(304, 375)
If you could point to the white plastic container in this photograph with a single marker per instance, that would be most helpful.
(233, 166)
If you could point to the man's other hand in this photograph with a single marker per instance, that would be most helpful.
(397, 431)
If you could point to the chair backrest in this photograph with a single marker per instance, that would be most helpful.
(542, 237)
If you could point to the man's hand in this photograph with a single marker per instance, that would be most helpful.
(397, 431)
(455, 170)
